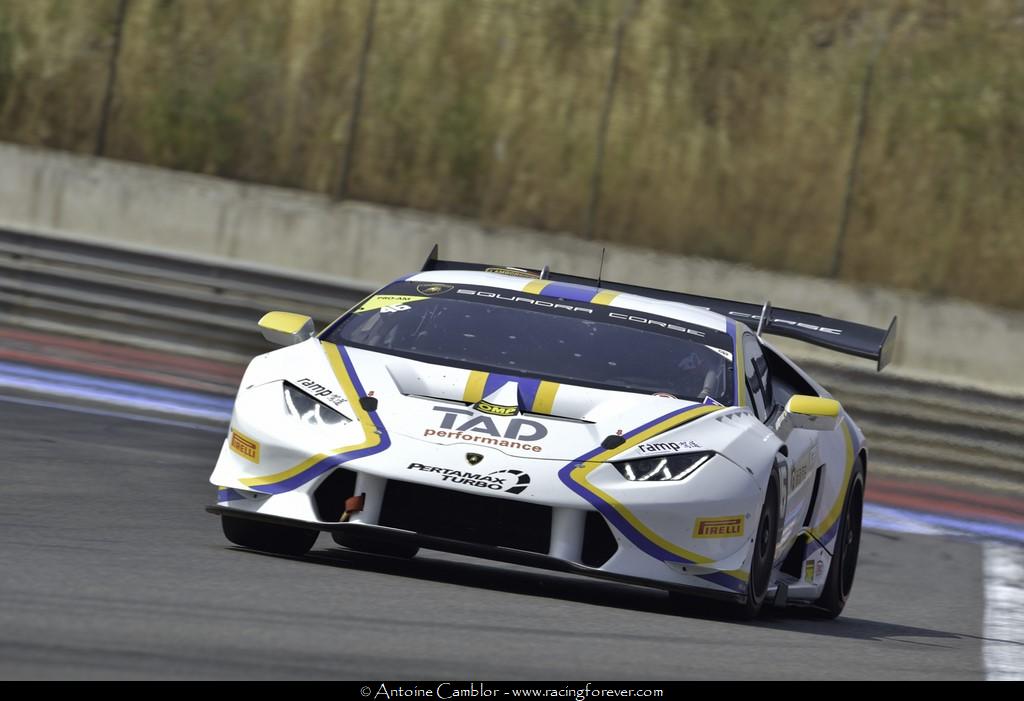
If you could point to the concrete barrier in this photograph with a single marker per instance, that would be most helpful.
(949, 340)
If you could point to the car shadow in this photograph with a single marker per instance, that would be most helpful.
(514, 579)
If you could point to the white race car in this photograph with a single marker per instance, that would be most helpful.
(579, 425)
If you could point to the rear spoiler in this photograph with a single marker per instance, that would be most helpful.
(835, 334)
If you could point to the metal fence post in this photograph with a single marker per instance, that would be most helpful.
(602, 130)
(853, 174)
(357, 102)
(108, 95)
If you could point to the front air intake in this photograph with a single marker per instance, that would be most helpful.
(471, 518)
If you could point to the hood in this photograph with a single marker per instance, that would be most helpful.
(518, 416)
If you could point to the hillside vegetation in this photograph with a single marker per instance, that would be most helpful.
(883, 139)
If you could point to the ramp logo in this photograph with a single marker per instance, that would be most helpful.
(511, 481)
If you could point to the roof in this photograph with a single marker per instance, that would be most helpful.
(513, 280)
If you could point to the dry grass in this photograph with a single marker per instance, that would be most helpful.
(730, 136)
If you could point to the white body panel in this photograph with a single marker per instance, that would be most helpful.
(695, 532)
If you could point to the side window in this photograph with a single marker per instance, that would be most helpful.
(755, 372)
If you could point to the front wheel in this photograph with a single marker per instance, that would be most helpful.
(847, 547)
(269, 537)
(762, 556)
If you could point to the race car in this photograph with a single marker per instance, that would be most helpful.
(573, 424)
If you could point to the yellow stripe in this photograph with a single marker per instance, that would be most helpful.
(580, 474)
(535, 286)
(474, 391)
(370, 435)
(604, 297)
(738, 574)
(545, 397)
(837, 508)
(741, 384)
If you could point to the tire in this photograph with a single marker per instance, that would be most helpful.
(374, 546)
(762, 557)
(844, 561)
(268, 537)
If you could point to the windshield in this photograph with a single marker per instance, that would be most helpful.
(542, 337)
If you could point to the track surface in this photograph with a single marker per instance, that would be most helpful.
(111, 568)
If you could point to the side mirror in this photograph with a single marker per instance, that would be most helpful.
(811, 413)
(285, 328)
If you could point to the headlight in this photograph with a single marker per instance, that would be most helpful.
(308, 410)
(664, 468)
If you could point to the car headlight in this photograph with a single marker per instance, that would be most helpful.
(664, 468)
(310, 411)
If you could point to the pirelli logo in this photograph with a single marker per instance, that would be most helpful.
(244, 446)
(720, 527)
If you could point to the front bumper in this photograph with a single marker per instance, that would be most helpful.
(488, 552)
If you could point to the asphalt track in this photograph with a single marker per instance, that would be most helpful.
(111, 569)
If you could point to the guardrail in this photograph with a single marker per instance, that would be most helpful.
(194, 306)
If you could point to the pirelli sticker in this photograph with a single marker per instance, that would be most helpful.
(245, 446)
(719, 527)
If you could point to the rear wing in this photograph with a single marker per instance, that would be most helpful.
(835, 334)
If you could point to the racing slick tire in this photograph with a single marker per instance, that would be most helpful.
(268, 537)
(844, 561)
(374, 546)
(761, 560)
(762, 557)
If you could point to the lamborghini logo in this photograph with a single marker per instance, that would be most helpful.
(474, 458)
(432, 289)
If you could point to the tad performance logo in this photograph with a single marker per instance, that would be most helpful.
(721, 527)
(517, 433)
(511, 481)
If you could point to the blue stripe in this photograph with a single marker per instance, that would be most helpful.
(108, 386)
(526, 388)
(333, 461)
(93, 411)
(139, 399)
(574, 292)
(495, 382)
(985, 529)
(624, 526)
(527, 392)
